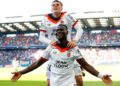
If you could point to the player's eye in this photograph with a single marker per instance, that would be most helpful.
(55, 5)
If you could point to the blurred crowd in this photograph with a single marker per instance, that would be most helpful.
(103, 37)
(87, 37)
(92, 55)
(19, 41)
(7, 56)
(101, 55)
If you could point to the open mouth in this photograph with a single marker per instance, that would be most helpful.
(55, 8)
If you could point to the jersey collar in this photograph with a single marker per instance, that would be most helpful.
(62, 50)
(52, 20)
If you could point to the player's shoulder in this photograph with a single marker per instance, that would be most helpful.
(69, 16)
(50, 47)
(45, 16)
(65, 13)
(76, 47)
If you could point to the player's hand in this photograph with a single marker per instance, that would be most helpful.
(53, 43)
(72, 44)
(83, 74)
(16, 76)
(106, 79)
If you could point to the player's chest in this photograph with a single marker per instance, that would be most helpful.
(61, 54)
(53, 23)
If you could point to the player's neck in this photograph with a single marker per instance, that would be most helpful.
(56, 15)
(62, 44)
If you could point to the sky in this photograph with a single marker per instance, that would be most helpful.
(34, 7)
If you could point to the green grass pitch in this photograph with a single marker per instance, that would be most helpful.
(43, 83)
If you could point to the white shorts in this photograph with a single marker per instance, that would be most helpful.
(77, 70)
(62, 79)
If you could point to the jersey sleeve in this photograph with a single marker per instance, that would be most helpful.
(76, 53)
(71, 20)
(43, 29)
(76, 25)
(79, 30)
(43, 25)
(43, 38)
(46, 53)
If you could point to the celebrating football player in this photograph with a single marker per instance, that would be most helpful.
(62, 62)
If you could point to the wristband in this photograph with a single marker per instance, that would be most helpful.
(100, 76)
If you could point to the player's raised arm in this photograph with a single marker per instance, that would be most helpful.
(106, 78)
(43, 39)
(79, 31)
(43, 31)
(35, 65)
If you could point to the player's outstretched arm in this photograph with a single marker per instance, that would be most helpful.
(35, 65)
(87, 67)
(106, 78)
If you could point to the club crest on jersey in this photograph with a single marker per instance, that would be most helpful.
(69, 53)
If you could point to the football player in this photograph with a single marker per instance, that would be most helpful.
(62, 62)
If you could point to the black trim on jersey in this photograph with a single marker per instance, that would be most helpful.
(56, 19)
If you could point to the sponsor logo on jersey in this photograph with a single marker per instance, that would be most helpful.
(68, 54)
(61, 64)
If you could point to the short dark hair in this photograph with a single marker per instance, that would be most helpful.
(58, 1)
(62, 26)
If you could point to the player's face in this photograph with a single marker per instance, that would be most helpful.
(56, 7)
(61, 33)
